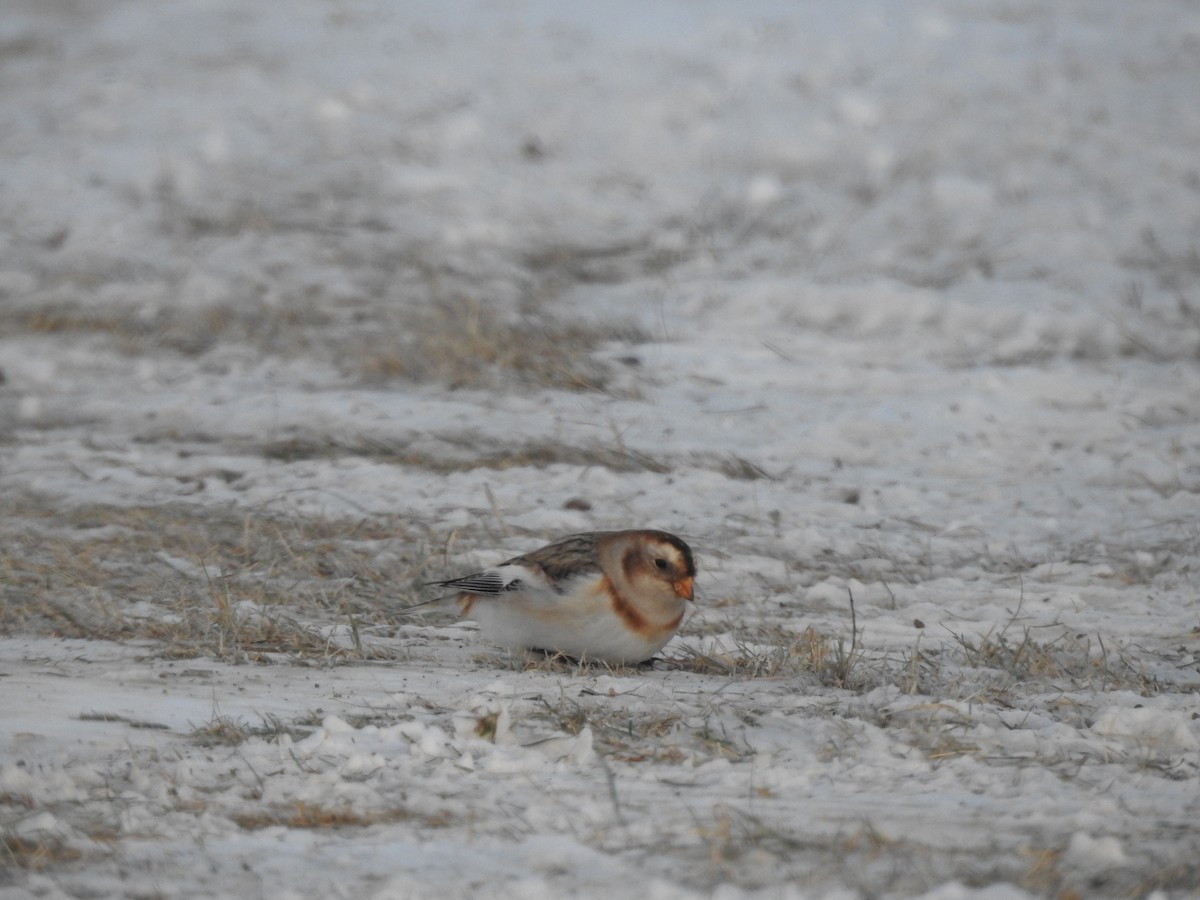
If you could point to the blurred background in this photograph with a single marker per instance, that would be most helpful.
(891, 310)
(483, 193)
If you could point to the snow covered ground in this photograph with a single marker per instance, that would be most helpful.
(891, 310)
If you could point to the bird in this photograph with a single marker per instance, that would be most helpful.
(614, 597)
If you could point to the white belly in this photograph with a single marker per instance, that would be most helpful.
(597, 634)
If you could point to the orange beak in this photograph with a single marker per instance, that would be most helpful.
(683, 587)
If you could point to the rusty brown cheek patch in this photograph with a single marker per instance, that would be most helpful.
(628, 613)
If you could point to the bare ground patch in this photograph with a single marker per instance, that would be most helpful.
(194, 581)
(438, 329)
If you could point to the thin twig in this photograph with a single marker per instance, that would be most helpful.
(487, 489)
(853, 622)
(612, 790)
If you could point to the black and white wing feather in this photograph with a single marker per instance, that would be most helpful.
(496, 580)
(545, 572)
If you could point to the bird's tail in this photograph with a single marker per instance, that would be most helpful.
(424, 606)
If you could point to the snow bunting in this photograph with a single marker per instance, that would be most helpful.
(608, 596)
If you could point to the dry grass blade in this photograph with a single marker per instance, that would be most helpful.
(36, 853)
(463, 454)
(465, 343)
(775, 653)
(311, 815)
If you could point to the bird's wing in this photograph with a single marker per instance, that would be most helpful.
(542, 571)
(564, 559)
(496, 580)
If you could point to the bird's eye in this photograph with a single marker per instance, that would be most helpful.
(660, 564)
